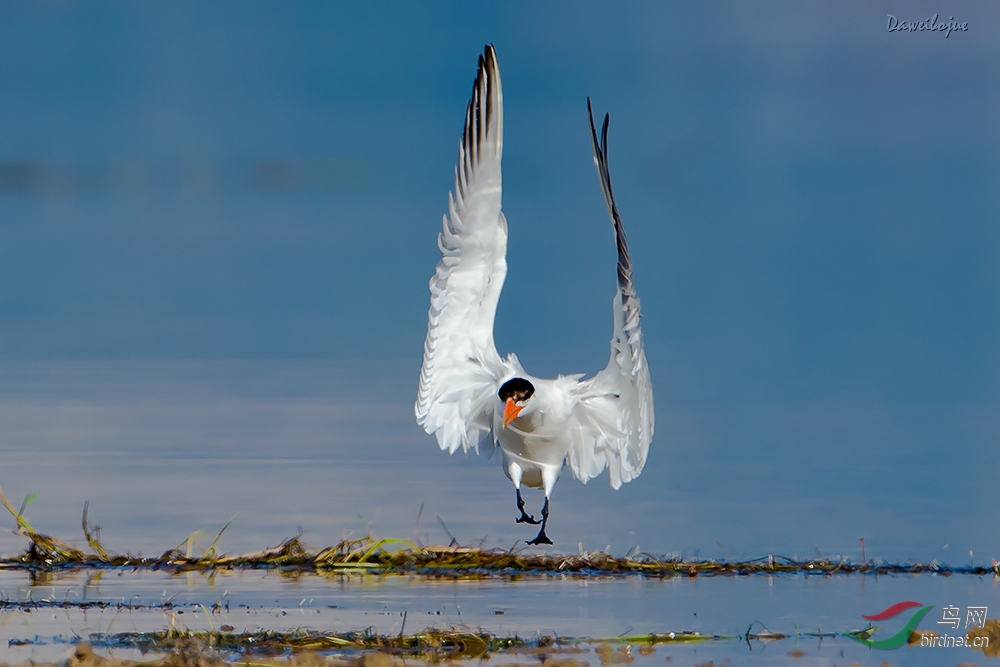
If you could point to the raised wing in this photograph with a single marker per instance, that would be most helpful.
(614, 415)
(461, 364)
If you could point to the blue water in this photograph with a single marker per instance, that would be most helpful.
(163, 449)
(567, 607)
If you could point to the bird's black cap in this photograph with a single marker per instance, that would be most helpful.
(518, 389)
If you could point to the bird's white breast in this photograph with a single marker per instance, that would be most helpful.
(543, 436)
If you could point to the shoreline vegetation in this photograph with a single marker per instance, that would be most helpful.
(403, 556)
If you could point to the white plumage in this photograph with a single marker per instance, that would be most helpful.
(468, 391)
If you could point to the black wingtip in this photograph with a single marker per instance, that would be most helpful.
(604, 176)
(593, 130)
(604, 136)
(600, 145)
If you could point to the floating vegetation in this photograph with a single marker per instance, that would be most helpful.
(991, 631)
(430, 644)
(313, 648)
(400, 556)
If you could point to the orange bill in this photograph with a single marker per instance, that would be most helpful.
(510, 412)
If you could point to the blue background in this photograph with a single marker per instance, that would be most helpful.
(206, 205)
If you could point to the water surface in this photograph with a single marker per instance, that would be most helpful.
(163, 449)
(594, 608)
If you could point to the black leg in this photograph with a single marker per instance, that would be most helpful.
(541, 537)
(524, 518)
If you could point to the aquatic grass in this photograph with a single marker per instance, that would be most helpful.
(208, 556)
(371, 554)
(430, 644)
(437, 645)
(42, 548)
(93, 537)
(311, 648)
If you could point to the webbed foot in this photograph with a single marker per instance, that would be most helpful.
(525, 517)
(541, 537)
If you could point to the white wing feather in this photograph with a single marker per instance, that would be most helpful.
(614, 414)
(461, 364)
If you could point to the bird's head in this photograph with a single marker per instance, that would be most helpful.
(515, 395)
